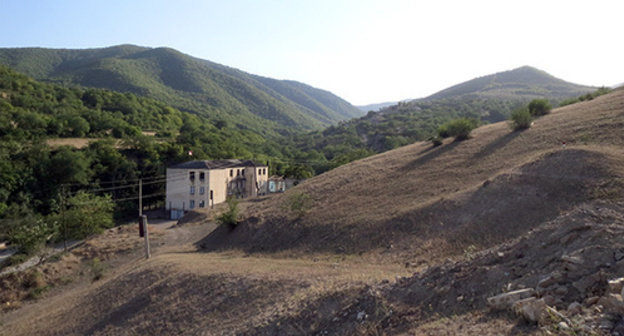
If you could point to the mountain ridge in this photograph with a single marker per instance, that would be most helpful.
(522, 81)
(188, 83)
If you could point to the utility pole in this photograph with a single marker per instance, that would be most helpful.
(140, 197)
(63, 218)
(143, 223)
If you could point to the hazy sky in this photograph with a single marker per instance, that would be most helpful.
(364, 51)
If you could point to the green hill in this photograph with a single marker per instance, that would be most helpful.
(205, 88)
(522, 83)
(487, 99)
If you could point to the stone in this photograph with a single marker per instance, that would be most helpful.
(572, 259)
(507, 300)
(532, 309)
(616, 286)
(563, 326)
(575, 308)
(590, 301)
(361, 315)
(550, 280)
(612, 303)
(549, 299)
(561, 290)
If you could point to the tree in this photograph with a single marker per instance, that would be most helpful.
(87, 214)
(230, 216)
(539, 107)
(460, 128)
(521, 119)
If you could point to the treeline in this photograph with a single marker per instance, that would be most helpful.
(395, 126)
(39, 181)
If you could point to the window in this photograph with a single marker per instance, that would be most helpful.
(210, 194)
(192, 176)
(192, 192)
(263, 171)
(237, 172)
(202, 175)
(202, 190)
(202, 204)
(191, 204)
(231, 172)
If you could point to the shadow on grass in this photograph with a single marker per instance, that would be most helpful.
(432, 153)
(496, 144)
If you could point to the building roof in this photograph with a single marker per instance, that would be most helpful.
(216, 164)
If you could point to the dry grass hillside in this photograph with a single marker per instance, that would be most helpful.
(421, 203)
(409, 242)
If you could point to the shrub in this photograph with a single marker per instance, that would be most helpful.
(521, 119)
(436, 140)
(299, 203)
(460, 128)
(443, 131)
(97, 269)
(539, 107)
(88, 214)
(230, 216)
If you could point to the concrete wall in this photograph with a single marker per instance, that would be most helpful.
(218, 181)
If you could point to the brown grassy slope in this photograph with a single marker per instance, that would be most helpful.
(423, 202)
(196, 293)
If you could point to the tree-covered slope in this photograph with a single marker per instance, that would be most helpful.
(486, 99)
(202, 87)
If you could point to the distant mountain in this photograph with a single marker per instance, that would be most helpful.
(522, 83)
(488, 99)
(375, 107)
(191, 84)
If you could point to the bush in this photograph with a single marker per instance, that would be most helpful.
(87, 214)
(436, 140)
(443, 131)
(97, 269)
(230, 216)
(460, 128)
(539, 107)
(589, 96)
(299, 203)
(521, 119)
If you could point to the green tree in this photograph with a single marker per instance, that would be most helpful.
(460, 128)
(87, 214)
(521, 119)
(230, 216)
(539, 107)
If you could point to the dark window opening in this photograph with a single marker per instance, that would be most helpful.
(202, 176)
(192, 176)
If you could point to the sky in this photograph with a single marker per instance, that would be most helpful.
(364, 51)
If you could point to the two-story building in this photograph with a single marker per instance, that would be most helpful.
(201, 184)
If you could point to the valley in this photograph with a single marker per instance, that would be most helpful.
(411, 241)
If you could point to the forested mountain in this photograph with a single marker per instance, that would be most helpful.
(33, 174)
(221, 93)
(486, 99)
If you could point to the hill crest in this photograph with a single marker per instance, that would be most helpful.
(522, 81)
(188, 83)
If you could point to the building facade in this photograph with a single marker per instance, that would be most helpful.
(202, 184)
